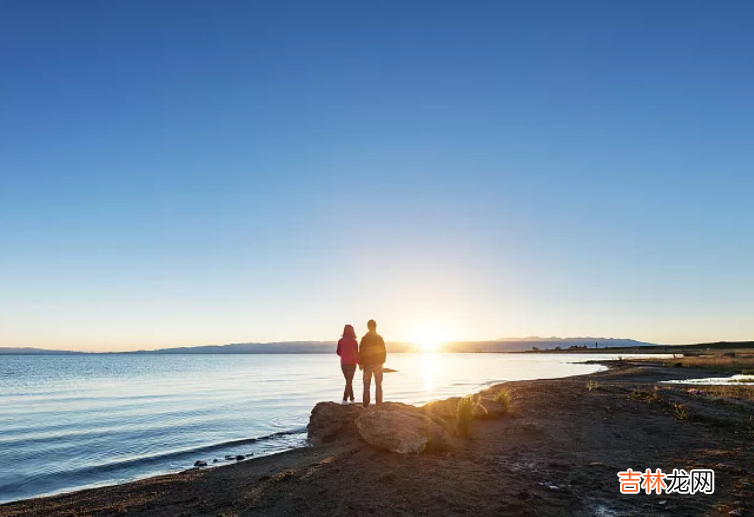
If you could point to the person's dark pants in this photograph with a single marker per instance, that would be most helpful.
(369, 370)
(348, 371)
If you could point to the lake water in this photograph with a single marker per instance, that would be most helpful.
(69, 422)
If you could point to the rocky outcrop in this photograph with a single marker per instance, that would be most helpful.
(397, 427)
(400, 428)
(330, 421)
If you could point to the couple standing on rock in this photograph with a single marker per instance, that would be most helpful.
(368, 356)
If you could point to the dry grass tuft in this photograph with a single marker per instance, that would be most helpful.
(679, 410)
(465, 414)
(728, 392)
(503, 397)
(645, 396)
(740, 362)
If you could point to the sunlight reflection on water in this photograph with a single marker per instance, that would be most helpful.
(428, 372)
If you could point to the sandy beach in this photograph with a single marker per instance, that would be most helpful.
(557, 453)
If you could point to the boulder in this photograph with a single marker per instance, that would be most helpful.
(448, 408)
(400, 428)
(329, 421)
(445, 409)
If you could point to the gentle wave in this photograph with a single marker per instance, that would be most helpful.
(78, 477)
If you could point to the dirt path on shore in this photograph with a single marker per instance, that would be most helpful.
(557, 454)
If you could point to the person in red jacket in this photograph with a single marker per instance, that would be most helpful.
(348, 350)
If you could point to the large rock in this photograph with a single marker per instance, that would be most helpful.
(400, 428)
(447, 409)
(330, 421)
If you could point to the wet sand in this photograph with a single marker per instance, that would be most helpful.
(557, 453)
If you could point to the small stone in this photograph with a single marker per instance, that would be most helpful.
(215, 460)
(200, 463)
(240, 457)
(736, 513)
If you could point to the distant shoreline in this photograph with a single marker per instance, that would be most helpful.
(465, 347)
(527, 345)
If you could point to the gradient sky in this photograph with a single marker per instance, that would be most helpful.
(196, 172)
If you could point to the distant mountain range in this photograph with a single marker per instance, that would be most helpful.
(33, 351)
(284, 347)
(328, 347)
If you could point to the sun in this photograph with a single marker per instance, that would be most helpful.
(429, 340)
(430, 344)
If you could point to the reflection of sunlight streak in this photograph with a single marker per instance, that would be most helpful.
(428, 372)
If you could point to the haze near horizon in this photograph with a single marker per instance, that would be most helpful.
(181, 174)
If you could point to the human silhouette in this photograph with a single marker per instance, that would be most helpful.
(348, 350)
(372, 355)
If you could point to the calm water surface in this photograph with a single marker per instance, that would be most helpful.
(69, 422)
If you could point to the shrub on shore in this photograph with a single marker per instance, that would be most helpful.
(465, 414)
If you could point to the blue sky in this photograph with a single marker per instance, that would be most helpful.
(178, 173)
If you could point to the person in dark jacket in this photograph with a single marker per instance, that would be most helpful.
(372, 355)
(348, 350)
